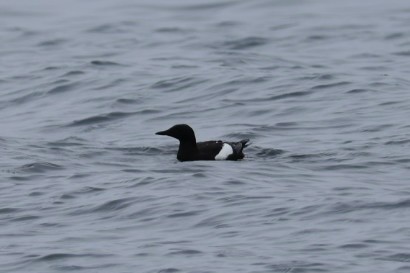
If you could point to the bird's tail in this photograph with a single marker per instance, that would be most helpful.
(244, 143)
(238, 146)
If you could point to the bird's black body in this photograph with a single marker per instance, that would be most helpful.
(190, 150)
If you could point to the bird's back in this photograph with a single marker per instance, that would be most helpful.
(207, 150)
(219, 150)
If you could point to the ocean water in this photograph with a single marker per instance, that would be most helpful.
(320, 87)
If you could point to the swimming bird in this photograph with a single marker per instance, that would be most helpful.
(190, 150)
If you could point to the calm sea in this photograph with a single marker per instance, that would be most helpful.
(320, 87)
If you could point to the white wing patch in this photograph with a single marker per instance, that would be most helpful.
(224, 152)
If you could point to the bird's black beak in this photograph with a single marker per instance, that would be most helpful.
(162, 133)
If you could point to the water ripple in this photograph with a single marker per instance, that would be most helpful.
(39, 167)
(105, 63)
(102, 118)
(245, 43)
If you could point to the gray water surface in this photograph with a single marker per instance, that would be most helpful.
(320, 87)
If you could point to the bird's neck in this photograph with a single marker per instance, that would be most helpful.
(187, 150)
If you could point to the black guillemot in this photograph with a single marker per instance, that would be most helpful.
(190, 150)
